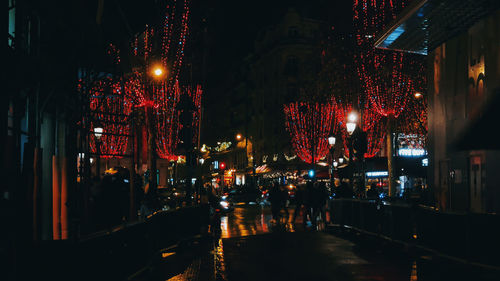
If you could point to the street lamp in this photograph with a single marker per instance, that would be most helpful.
(98, 130)
(239, 137)
(158, 71)
(351, 126)
(352, 118)
(331, 143)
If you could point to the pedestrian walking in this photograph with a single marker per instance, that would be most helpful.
(275, 197)
(299, 204)
(284, 202)
(318, 202)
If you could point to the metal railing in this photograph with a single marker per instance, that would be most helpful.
(119, 253)
(473, 238)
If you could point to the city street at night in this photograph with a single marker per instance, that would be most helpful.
(232, 140)
(252, 248)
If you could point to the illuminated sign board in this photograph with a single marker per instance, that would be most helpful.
(377, 174)
(411, 145)
(411, 152)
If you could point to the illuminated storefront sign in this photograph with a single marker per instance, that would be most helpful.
(411, 152)
(411, 145)
(377, 174)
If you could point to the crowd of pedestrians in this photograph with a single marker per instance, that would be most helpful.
(310, 203)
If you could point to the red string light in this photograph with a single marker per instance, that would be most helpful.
(167, 121)
(109, 108)
(161, 97)
(382, 72)
(309, 125)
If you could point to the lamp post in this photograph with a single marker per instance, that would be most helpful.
(98, 130)
(352, 118)
(331, 144)
(158, 74)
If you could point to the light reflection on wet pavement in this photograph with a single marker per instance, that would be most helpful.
(251, 247)
(253, 220)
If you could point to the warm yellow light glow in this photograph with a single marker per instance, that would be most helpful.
(418, 95)
(168, 254)
(158, 72)
(239, 137)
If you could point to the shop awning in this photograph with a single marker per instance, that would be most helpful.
(425, 24)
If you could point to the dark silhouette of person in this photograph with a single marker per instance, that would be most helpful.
(372, 193)
(275, 197)
(300, 195)
(318, 201)
(283, 201)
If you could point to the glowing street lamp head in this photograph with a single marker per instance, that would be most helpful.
(350, 127)
(239, 137)
(352, 117)
(158, 71)
(98, 130)
(331, 141)
(418, 95)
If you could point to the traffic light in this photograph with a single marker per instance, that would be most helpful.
(222, 165)
(311, 173)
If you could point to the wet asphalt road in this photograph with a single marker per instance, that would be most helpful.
(251, 247)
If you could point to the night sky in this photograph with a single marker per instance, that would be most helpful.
(234, 25)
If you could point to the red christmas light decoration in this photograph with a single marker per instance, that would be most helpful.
(109, 108)
(160, 97)
(383, 73)
(195, 95)
(309, 125)
(167, 121)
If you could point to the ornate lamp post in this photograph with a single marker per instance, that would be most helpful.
(98, 130)
(331, 144)
(352, 118)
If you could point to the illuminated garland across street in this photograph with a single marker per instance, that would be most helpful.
(385, 74)
(309, 125)
(195, 95)
(163, 96)
(110, 109)
(167, 121)
(155, 46)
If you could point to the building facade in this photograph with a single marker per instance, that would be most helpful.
(463, 82)
(286, 58)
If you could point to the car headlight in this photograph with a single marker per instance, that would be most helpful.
(224, 204)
